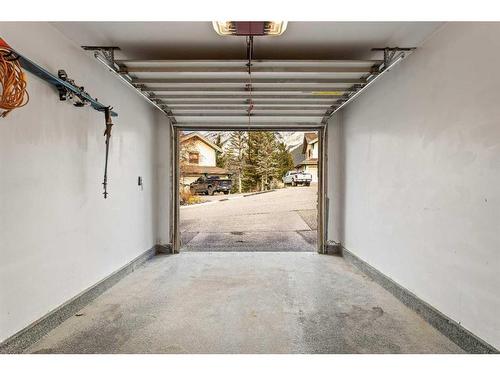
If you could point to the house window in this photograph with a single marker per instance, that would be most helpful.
(310, 153)
(194, 158)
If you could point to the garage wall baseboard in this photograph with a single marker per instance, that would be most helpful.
(35, 331)
(448, 327)
(164, 249)
(333, 248)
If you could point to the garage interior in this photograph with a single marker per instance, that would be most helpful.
(408, 201)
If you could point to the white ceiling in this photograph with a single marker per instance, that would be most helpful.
(198, 40)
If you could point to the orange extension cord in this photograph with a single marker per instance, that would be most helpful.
(13, 83)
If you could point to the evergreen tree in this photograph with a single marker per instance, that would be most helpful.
(220, 157)
(284, 160)
(236, 154)
(260, 161)
(267, 159)
(251, 177)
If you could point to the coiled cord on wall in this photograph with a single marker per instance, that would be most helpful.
(13, 83)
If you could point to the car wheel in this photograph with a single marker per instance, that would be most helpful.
(210, 190)
(226, 192)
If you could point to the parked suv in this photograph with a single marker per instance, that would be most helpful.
(295, 178)
(210, 185)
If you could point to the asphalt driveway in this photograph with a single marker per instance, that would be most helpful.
(280, 220)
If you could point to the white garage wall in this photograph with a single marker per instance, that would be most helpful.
(422, 175)
(58, 236)
(335, 180)
(163, 187)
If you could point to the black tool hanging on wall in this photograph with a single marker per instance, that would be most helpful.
(107, 134)
(69, 91)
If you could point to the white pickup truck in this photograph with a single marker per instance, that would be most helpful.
(295, 178)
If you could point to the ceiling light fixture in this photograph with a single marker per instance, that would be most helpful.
(250, 28)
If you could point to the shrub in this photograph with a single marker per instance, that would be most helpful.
(186, 197)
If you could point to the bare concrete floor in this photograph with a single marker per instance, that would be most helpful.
(257, 302)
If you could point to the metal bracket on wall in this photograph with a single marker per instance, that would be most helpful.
(68, 90)
(65, 87)
(106, 56)
(107, 51)
(392, 56)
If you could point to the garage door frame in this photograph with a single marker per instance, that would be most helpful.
(176, 130)
(276, 94)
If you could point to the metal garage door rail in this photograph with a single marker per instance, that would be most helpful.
(299, 93)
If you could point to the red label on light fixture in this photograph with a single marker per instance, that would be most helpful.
(250, 28)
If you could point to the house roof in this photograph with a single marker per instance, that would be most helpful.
(205, 140)
(191, 169)
(297, 155)
(309, 138)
